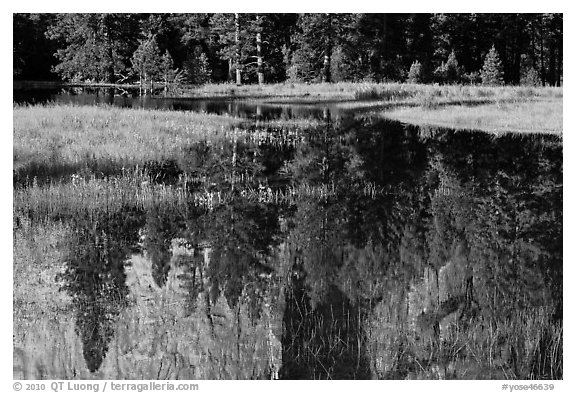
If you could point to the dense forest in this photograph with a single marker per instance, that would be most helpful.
(264, 48)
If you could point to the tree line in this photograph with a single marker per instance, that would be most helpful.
(266, 48)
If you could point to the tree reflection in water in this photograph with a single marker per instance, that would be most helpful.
(391, 244)
(95, 278)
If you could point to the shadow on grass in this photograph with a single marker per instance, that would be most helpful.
(164, 171)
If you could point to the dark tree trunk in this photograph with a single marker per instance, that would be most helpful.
(552, 67)
(558, 42)
(559, 65)
(542, 69)
(237, 49)
(517, 51)
(109, 62)
(327, 77)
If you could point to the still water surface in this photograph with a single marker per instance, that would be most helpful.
(131, 99)
(362, 248)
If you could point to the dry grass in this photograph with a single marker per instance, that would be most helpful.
(538, 116)
(492, 109)
(523, 345)
(386, 92)
(70, 136)
(55, 140)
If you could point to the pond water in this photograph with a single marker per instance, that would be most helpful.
(358, 249)
(132, 99)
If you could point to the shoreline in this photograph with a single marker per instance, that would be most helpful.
(540, 117)
(470, 107)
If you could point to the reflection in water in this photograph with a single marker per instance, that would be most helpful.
(394, 252)
(130, 99)
(325, 340)
(95, 279)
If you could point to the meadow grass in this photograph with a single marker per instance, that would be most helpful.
(524, 345)
(53, 138)
(57, 201)
(541, 116)
(366, 91)
(486, 108)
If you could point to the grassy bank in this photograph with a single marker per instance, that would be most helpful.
(498, 109)
(69, 134)
(389, 92)
(536, 116)
(492, 109)
(53, 139)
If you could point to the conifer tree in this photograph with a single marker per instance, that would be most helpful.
(146, 61)
(94, 47)
(260, 61)
(415, 73)
(231, 33)
(197, 67)
(450, 71)
(318, 36)
(167, 69)
(492, 73)
(306, 47)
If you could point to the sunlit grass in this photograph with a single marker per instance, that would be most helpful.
(487, 108)
(52, 140)
(390, 92)
(532, 116)
(104, 137)
(64, 200)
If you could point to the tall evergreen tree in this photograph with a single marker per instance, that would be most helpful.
(260, 60)
(415, 73)
(232, 38)
(492, 73)
(306, 47)
(317, 37)
(197, 67)
(147, 61)
(449, 71)
(97, 47)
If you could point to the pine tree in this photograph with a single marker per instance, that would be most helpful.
(94, 47)
(492, 73)
(197, 67)
(204, 71)
(530, 77)
(146, 61)
(318, 38)
(260, 60)
(167, 69)
(449, 72)
(415, 73)
(231, 32)
(311, 47)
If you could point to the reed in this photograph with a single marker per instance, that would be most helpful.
(524, 345)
